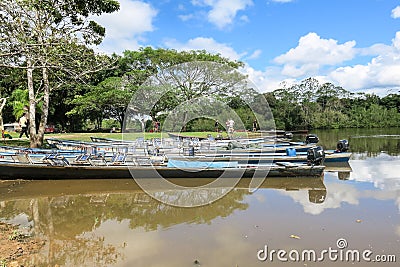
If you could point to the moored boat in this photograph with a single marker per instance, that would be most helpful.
(46, 171)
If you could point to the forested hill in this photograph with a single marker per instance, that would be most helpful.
(311, 105)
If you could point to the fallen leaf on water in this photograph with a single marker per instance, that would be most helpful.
(295, 236)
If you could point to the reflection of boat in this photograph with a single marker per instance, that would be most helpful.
(104, 188)
(343, 169)
(338, 167)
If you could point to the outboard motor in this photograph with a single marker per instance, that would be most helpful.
(191, 151)
(235, 144)
(312, 139)
(315, 155)
(317, 196)
(342, 146)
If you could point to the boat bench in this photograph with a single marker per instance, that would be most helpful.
(22, 158)
(56, 160)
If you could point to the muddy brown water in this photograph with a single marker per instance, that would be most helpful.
(346, 214)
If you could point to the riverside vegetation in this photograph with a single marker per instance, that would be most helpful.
(49, 65)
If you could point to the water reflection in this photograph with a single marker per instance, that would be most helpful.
(375, 177)
(75, 216)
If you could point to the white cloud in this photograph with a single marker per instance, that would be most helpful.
(244, 18)
(209, 44)
(381, 72)
(379, 76)
(267, 80)
(186, 17)
(396, 12)
(125, 28)
(312, 53)
(336, 195)
(256, 54)
(223, 12)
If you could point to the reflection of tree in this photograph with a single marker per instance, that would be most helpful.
(62, 226)
(66, 213)
(85, 251)
(68, 221)
(164, 215)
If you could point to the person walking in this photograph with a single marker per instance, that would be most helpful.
(24, 122)
(216, 126)
(229, 124)
(255, 125)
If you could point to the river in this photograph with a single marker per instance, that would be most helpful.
(342, 219)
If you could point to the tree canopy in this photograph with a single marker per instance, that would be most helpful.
(50, 36)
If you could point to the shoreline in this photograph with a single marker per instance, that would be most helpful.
(16, 247)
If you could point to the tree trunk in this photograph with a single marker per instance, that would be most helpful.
(45, 108)
(37, 135)
(2, 104)
(32, 102)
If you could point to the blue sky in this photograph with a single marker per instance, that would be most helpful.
(351, 43)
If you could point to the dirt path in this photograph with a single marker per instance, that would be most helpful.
(16, 247)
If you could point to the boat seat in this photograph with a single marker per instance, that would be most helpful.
(22, 158)
(157, 160)
(142, 161)
(118, 158)
(83, 159)
(56, 160)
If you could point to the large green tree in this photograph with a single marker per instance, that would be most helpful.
(187, 74)
(135, 67)
(50, 37)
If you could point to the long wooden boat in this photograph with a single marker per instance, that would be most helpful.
(330, 157)
(220, 147)
(61, 170)
(255, 158)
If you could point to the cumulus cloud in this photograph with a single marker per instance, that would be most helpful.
(267, 80)
(314, 52)
(396, 12)
(208, 44)
(223, 12)
(125, 28)
(381, 72)
(310, 58)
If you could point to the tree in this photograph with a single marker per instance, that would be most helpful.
(196, 89)
(162, 63)
(50, 36)
(20, 101)
(108, 99)
(133, 69)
